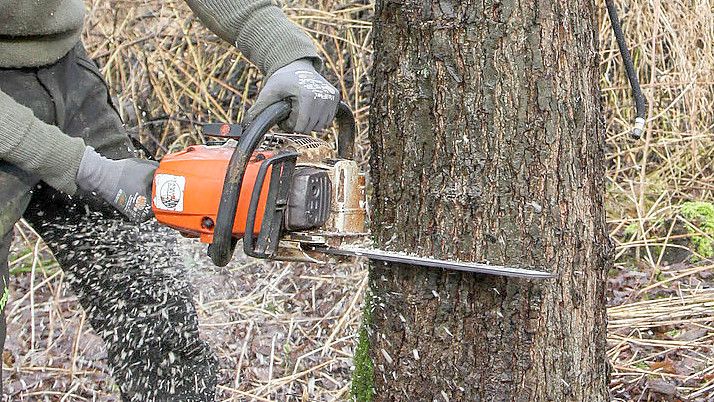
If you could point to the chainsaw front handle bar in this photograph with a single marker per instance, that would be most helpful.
(221, 250)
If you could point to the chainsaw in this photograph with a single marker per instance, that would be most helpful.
(293, 197)
(289, 197)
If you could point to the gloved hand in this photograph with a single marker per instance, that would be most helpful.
(314, 100)
(125, 184)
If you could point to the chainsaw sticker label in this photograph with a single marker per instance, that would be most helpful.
(169, 192)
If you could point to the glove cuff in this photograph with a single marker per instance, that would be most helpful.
(300, 64)
(90, 173)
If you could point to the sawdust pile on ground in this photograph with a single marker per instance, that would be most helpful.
(287, 332)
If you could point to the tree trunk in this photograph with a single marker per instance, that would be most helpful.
(487, 145)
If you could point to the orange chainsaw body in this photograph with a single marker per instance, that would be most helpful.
(187, 190)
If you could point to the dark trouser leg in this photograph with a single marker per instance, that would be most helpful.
(133, 289)
(14, 198)
(15, 185)
(128, 278)
(5, 241)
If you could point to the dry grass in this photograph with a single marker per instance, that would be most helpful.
(287, 331)
(662, 305)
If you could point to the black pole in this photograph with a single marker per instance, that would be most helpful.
(630, 69)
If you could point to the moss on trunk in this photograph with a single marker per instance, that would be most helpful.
(363, 376)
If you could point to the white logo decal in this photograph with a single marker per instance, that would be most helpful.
(169, 192)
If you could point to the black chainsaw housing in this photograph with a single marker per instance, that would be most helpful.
(309, 201)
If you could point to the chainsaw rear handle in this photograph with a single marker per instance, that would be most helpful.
(221, 250)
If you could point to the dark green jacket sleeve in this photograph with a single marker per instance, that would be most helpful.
(38, 148)
(259, 29)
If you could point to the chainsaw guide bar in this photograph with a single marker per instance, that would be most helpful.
(473, 267)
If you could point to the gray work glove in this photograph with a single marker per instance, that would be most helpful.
(314, 100)
(125, 184)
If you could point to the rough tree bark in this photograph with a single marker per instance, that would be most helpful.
(487, 145)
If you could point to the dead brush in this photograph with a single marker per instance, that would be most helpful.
(287, 332)
(662, 311)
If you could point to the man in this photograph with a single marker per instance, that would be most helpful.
(64, 158)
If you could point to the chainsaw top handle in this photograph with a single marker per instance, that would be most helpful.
(221, 250)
